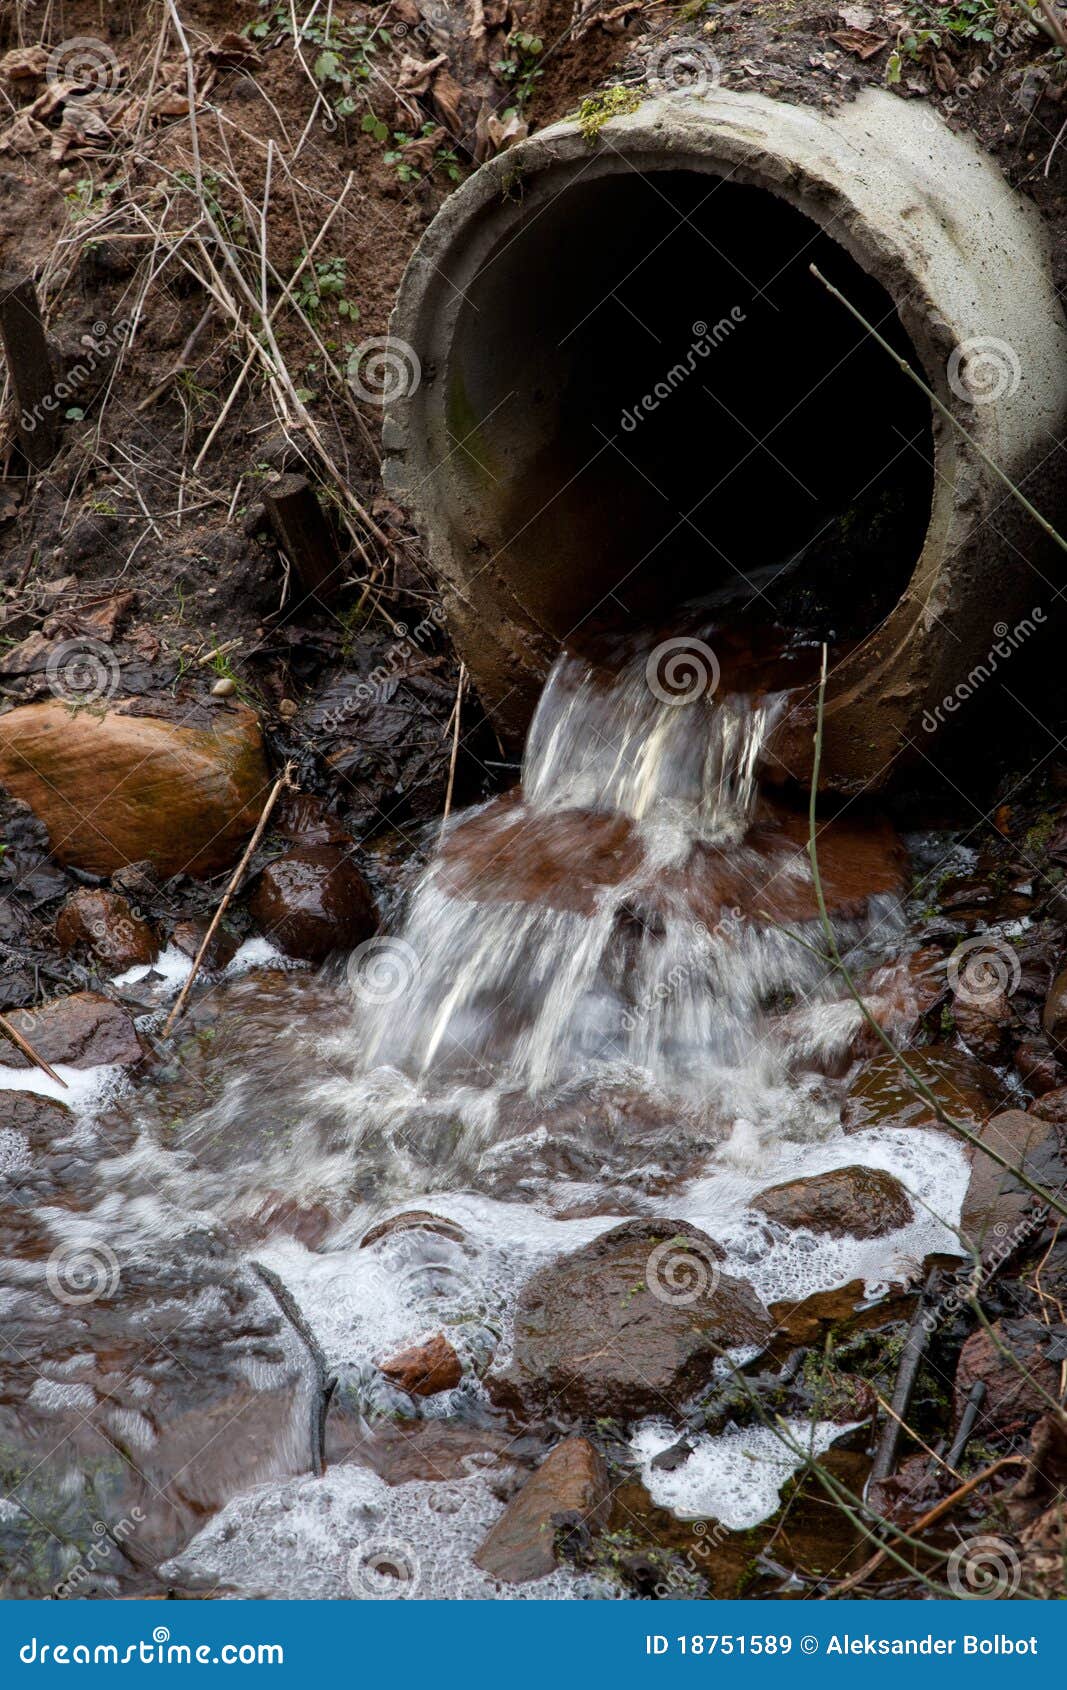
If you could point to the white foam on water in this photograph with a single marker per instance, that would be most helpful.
(735, 1477)
(53, 1398)
(15, 1156)
(365, 1304)
(350, 1536)
(792, 1263)
(172, 967)
(85, 1090)
(258, 952)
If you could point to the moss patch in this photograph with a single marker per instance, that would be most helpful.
(598, 109)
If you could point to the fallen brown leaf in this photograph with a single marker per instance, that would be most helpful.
(863, 42)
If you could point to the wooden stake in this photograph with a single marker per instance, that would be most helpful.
(284, 780)
(30, 364)
(28, 1051)
(303, 533)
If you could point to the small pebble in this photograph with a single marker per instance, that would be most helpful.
(225, 687)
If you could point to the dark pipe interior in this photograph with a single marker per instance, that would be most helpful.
(794, 431)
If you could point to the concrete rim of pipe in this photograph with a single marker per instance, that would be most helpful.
(486, 380)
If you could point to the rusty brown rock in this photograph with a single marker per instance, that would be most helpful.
(882, 1094)
(103, 924)
(984, 1025)
(188, 936)
(115, 788)
(996, 1198)
(84, 1030)
(402, 1450)
(1051, 1105)
(1037, 1062)
(314, 901)
(853, 1202)
(425, 1369)
(628, 1325)
(1017, 1390)
(569, 1489)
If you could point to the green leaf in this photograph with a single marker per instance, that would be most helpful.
(328, 67)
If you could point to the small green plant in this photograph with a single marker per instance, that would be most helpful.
(521, 69)
(407, 154)
(970, 20)
(325, 283)
(85, 199)
(346, 51)
(405, 169)
(598, 109)
(937, 26)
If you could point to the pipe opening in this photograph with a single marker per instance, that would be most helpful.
(646, 382)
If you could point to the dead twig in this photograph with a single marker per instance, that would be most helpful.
(930, 1518)
(910, 1361)
(284, 780)
(456, 712)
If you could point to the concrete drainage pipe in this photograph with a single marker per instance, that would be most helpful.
(634, 393)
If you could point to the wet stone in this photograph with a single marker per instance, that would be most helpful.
(84, 1030)
(142, 1392)
(882, 1095)
(103, 925)
(1011, 1361)
(412, 1220)
(426, 1369)
(569, 1492)
(188, 936)
(628, 1325)
(314, 901)
(854, 1202)
(996, 1199)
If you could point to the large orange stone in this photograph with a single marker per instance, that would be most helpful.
(115, 788)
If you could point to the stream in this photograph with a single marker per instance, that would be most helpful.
(605, 998)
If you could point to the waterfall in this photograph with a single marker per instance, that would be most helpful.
(611, 920)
